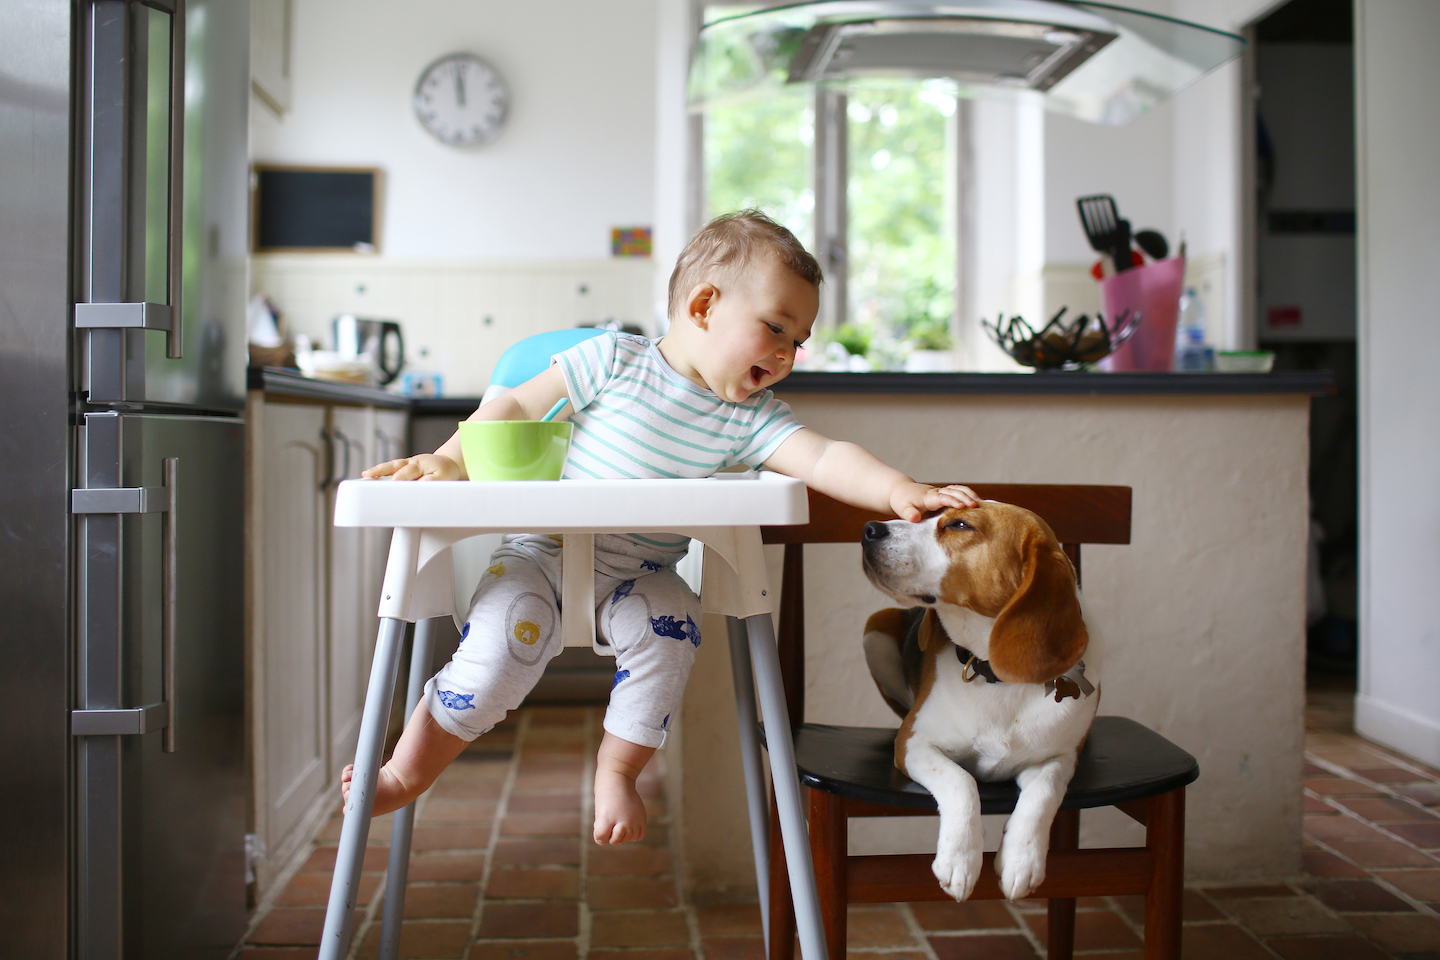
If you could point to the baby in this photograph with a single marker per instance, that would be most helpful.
(743, 297)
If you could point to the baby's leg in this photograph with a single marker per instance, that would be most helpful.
(652, 624)
(619, 811)
(424, 751)
(510, 636)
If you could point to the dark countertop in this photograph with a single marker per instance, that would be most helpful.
(1060, 383)
(284, 382)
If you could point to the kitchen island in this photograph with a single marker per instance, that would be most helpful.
(1197, 626)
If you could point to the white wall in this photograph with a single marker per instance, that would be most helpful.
(1397, 140)
(577, 155)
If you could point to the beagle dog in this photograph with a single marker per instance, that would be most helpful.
(985, 668)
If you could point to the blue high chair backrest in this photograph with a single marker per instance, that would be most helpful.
(530, 357)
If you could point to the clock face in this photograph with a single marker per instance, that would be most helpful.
(461, 100)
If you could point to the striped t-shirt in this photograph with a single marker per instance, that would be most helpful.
(635, 417)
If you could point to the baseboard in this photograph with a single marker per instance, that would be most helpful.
(1411, 734)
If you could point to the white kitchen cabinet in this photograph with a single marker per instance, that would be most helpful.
(286, 560)
(352, 627)
(270, 52)
(313, 592)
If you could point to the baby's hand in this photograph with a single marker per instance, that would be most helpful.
(422, 466)
(911, 501)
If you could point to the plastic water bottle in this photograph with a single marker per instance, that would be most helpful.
(1192, 353)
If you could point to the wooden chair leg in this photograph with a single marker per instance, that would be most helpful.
(1165, 836)
(829, 835)
(782, 907)
(1060, 922)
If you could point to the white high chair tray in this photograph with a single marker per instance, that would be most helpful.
(577, 506)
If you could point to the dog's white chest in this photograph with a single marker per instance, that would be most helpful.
(994, 730)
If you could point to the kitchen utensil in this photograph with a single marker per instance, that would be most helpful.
(514, 449)
(1104, 229)
(559, 405)
(1154, 244)
(380, 340)
(1154, 292)
(1059, 344)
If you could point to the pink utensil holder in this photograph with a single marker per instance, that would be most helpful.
(1153, 290)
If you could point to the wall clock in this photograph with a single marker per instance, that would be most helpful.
(461, 100)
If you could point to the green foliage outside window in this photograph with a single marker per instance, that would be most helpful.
(757, 155)
(902, 238)
(901, 241)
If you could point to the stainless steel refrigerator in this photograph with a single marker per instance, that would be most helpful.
(123, 239)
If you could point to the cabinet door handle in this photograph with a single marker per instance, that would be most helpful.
(345, 446)
(328, 441)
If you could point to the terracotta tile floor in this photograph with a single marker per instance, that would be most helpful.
(503, 870)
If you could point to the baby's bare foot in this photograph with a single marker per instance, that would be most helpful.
(619, 811)
(390, 792)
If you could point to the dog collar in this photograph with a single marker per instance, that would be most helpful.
(1071, 683)
(974, 667)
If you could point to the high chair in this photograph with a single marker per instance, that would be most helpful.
(851, 770)
(724, 513)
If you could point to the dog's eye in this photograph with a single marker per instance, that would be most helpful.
(958, 525)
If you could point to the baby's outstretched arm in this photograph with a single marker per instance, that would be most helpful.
(849, 472)
(422, 466)
(529, 401)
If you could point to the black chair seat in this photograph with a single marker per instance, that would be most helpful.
(1121, 760)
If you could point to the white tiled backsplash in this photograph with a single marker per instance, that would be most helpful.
(458, 316)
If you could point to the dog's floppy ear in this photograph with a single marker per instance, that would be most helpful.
(930, 631)
(1040, 633)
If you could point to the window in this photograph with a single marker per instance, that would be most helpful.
(866, 179)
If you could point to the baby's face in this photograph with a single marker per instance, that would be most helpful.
(759, 320)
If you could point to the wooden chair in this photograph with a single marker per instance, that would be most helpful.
(851, 772)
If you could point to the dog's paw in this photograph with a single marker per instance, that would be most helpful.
(957, 867)
(1020, 865)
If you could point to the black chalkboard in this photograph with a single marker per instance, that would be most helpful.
(315, 209)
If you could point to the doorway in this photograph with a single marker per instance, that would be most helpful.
(1306, 292)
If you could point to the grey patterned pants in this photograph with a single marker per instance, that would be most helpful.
(644, 611)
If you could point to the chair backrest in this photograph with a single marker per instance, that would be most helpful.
(528, 358)
(1078, 513)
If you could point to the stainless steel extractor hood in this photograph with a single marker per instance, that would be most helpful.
(1093, 61)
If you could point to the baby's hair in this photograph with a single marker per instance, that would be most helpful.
(729, 243)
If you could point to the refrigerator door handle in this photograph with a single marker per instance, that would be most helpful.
(155, 716)
(156, 316)
(132, 316)
(170, 590)
(177, 177)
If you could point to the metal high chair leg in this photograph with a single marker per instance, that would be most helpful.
(786, 780)
(752, 762)
(401, 830)
(340, 913)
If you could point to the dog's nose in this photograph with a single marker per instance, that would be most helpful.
(875, 530)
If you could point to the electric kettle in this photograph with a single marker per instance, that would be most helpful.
(379, 341)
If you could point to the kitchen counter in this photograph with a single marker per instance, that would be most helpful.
(1197, 626)
(283, 382)
(1058, 383)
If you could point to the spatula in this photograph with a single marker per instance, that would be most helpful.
(1104, 229)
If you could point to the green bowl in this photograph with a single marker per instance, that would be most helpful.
(514, 449)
